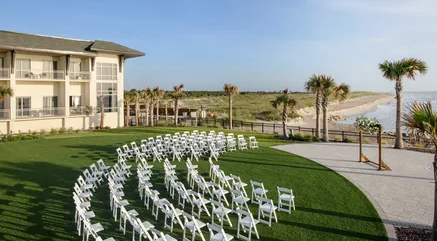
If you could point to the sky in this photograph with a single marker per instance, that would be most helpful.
(254, 44)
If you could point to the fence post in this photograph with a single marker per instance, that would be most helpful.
(361, 144)
(262, 127)
(251, 123)
(223, 123)
(342, 136)
(299, 129)
(242, 125)
(215, 122)
(380, 147)
(274, 127)
(312, 132)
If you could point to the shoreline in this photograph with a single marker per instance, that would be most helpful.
(352, 107)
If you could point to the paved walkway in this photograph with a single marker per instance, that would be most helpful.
(405, 195)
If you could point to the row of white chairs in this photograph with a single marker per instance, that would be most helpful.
(83, 192)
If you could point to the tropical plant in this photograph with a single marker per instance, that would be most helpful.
(314, 86)
(230, 91)
(136, 98)
(146, 96)
(5, 91)
(421, 120)
(329, 89)
(396, 71)
(158, 95)
(176, 95)
(127, 101)
(288, 103)
(367, 125)
(102, 111)
(166, 103)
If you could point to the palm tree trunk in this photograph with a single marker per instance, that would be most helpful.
(176, 115)
(127, 115)
(325, 119)
(398, 142)
(284, 119)
(137, 112)
(230, 111)
(146, 105)
(102, 112)
(151, 112)
(318, 105)
(166, 111)
(157, 111)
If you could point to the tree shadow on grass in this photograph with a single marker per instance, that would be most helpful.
(38, 204)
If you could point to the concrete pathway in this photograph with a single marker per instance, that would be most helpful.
(403, 196)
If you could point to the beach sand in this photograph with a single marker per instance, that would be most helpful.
(345, 109)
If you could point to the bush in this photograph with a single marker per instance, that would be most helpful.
(347, 140)
(107, 127)
(91, 128)
(77, 130)
(97, 128)
(367, 125)
(304, 138)
(18, 138)
(34, 133)
(42, 132)
(53, 131)
(70, 130)
(62, 130)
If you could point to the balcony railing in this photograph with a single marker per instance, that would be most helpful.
(40, 113)
(4, 73)
(37, 74)
(4, 114)
(80, 110)
(79, 75)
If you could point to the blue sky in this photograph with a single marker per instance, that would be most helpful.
(255, 44)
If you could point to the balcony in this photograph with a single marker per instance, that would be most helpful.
(80, 110)
(79, 76)
(4, 114)
(4, 73)
(40, 113)
(37, 74)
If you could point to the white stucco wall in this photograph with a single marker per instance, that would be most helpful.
(3, 127)
(37, 124)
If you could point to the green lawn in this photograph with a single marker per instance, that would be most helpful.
(37, 177)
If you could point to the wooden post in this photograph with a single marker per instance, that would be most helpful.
(380, 147)
(342, 136)
(251, 126)
(361, 145)
(274, 127)
(262, 127)
(312, 132)
(299, 130)
(223, 123)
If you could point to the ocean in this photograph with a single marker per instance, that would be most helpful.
(386, 113)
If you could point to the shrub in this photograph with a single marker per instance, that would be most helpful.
(97, 128)
(347, 140)
(337, 139)
(18, 138)
(42, 132)
(77, 130)
(367, 125)
(53, 131)
(107, 127)
(91, 128)
(62, 130)
(304, 138)
(70, 130)
(34, 133)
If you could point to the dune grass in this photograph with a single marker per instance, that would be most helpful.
(36, 180)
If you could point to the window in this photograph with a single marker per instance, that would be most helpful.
(1, 63)
(23, 106)
(106, 71)
(50, 105)
(75, 101)
(22, 68)
(109, 93)
(2, 111)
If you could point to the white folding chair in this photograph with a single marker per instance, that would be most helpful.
(246, 222)
(176, 154)
(129, 153)
(222, 213)
(198, 202)
(258, 190)
(172, 214)
(183, 195)
(103, 168)
(194, 226)
(219, 235)
(121, 154)
(219, 192)
(160, 236)
(252, 142)
(90, 228)
(266, 208)
(239, 201)
(238, 184)
(86, 195)
(84, 185)
(125, 216)
(285, 198)
(157, 156)
(194, 153)
(90, 178)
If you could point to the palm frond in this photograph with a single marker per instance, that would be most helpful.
(421, 119)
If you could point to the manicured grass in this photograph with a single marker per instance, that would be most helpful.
(36, 180)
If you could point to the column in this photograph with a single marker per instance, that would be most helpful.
(10, 63)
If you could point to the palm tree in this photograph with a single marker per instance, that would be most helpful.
(329, 88)
(159, 94)
(288, 103)
(145, 96)
(231, 90)
(166, 103)
(313, 85)
(5, 91)
(396, 71)
(102, 112)
(421, 120)
(152, 105)
(176, 95)
(128, 98)
(136, 97)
